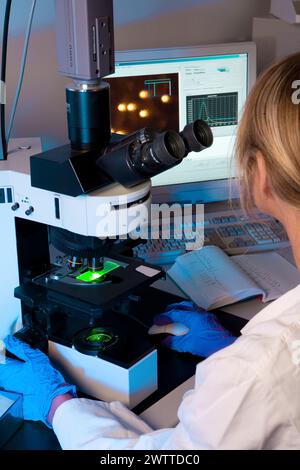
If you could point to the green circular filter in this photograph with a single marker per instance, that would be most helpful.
(99, 338)
(93, 341)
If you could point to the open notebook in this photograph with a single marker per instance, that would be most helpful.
(212, 279)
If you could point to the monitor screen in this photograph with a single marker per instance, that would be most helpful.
(169, 93)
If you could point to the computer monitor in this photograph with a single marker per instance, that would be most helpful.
(169, 88)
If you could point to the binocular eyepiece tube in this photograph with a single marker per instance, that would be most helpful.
(147, 153)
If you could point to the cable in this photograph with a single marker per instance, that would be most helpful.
(22, 71)
(3, 75)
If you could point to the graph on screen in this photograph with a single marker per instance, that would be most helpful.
(217, 110)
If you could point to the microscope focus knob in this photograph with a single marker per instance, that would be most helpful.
(29, 211)
(15, 207)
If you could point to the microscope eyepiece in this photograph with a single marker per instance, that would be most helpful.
(197, 136)
(168, 148)
(164, 151)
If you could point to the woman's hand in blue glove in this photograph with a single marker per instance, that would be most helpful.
(205, 334)
(34, 377)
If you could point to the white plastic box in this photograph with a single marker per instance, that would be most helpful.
(286, 10)
(275, 39)
(104, 380)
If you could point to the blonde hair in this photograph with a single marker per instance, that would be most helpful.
(271, 125)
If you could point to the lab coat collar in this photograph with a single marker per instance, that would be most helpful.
(276, 316)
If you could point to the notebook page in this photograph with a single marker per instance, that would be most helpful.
(211, 280)
(272, 273)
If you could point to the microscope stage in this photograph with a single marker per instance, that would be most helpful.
(83, 276)
(96, 292)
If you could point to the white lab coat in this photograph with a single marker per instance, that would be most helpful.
(246, 396)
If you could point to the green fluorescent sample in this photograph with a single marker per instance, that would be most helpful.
(99, 338)
(91, 276)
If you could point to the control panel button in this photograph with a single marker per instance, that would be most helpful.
(15, 207)
(29, 211)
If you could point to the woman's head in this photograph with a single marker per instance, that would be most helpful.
(268, 142)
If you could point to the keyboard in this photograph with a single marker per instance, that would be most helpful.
(233, 232)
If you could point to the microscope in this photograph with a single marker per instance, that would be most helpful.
(69, 284)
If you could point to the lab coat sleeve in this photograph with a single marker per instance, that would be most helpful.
(231, 407)
(90, 425)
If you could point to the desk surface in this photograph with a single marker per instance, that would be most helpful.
(33, 436)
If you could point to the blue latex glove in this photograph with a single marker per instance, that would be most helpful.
(34, 378)
(206, 335)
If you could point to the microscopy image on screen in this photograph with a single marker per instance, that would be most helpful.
(145, 101)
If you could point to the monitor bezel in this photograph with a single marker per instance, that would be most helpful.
(201, 191)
